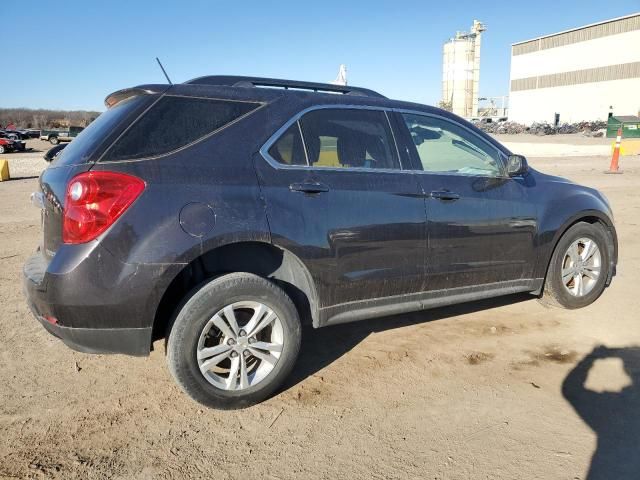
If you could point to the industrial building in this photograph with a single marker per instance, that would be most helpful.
(461, 71)
(581, 74)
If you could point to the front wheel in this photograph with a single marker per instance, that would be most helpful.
(54, 140)
(234, 341)
(2, 149)
(579, 267)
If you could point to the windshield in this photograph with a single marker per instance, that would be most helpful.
(91, 138)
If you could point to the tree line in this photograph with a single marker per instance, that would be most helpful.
(41, 118)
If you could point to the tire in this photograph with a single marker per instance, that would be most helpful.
(556, 291)
(209, 302)
(54, 140)
(2, 149)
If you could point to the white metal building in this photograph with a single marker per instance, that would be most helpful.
(580, 74)
(461, 71)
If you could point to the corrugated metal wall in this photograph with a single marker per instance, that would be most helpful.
(589, 75)
(581, 35)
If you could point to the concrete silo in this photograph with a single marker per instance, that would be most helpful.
(461, 71)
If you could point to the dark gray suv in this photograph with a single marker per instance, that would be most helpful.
(225, 212)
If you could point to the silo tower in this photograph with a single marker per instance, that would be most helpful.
(461, 71)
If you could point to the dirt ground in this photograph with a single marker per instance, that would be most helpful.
(471, 391)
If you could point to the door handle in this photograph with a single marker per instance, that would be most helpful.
(308, 187)
(444, 195)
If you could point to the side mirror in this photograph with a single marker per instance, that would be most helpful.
(517, 165)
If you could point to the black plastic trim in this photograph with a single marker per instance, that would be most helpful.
(382, 307)
(128, 341)
(240, 81)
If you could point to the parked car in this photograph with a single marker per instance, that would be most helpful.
(17, 144)
(6, 145)
(56, 136)
(222, 216)
(16, 134)
(32, 133)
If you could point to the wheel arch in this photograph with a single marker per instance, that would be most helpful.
(587, 216)
(264, 259)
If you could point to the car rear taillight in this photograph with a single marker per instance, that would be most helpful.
(95, 200)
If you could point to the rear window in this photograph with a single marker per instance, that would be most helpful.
(174, 122)
(91, 138)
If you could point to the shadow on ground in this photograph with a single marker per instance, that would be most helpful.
(25, 177)
(613, 416)
(321, 347)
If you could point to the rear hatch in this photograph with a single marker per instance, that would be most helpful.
(80, 155)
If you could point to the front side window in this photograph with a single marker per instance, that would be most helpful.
(349, 138)
(174, 122)
(445, 147)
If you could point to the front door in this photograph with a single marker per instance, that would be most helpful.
(338, 198)
(481, 223)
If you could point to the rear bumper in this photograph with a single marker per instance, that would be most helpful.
(129, 341)
(95, 303)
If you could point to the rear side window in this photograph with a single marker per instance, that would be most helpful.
(289, 150)
(174, 122)
(349, 138)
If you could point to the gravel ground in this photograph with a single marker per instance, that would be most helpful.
(471, 391)
(28, 163)
(574, 145)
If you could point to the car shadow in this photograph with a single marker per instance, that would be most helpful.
(320, 347)
(613, 416)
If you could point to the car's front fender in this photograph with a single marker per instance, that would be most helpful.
(567, 206)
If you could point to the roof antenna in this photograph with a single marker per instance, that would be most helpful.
(164, 71)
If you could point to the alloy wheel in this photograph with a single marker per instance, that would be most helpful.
(240, 345)
(581, 266)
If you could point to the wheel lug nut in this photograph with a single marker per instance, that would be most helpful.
(231, 341)
(246, 353)
(234, 354)
(242, 333)
(252, 340)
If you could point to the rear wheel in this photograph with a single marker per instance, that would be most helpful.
(234, 341)
(54, 140)
(579, 267)
(2, 149)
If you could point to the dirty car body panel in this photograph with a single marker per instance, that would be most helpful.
(353, 243)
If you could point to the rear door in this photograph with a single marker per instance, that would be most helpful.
(338, 197)
(481, 223)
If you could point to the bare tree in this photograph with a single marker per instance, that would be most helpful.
(41, 118)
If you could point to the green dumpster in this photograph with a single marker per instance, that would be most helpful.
(630, 126)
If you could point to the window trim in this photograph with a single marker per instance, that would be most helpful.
(414, 153)
(183, 147)
(264, 150)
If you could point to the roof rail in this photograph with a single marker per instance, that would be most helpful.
(240, 81)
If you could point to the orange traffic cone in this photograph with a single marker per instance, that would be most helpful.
(613, 168)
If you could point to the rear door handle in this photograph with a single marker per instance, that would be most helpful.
(444, 195)
(308, 187)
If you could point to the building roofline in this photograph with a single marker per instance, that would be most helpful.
(637, 14)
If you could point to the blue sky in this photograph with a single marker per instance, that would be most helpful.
(74, 58)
